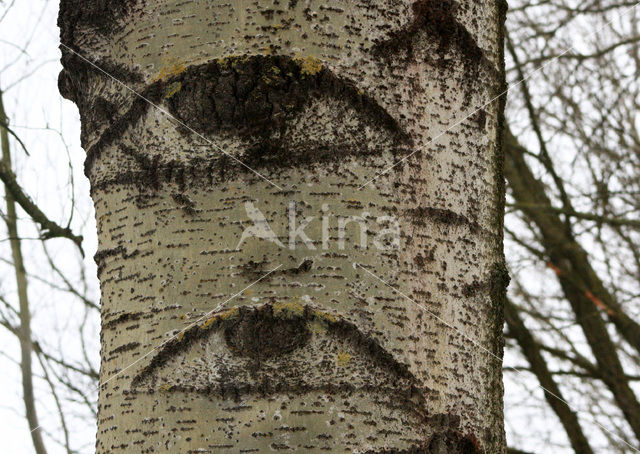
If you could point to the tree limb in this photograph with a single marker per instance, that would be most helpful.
(49, 228)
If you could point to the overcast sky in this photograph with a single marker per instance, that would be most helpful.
(29, 66)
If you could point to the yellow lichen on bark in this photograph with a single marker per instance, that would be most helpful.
(170, 67)
(309, 65)
(343, 358)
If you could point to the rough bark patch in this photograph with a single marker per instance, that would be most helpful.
(261, 334)
(100, 15)
(257, 97)
(437, 18)
(275, 330)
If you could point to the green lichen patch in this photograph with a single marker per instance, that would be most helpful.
(309, 65)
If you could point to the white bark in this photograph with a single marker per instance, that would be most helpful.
(318, 97)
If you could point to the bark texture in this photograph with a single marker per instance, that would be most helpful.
(319, 97)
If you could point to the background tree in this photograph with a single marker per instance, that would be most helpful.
(574, 204)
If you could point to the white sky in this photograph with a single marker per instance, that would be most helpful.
(28, 47)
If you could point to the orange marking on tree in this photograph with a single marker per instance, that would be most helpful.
(598, 302)
(555, 269)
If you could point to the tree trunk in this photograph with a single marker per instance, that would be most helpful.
(531, 351)
(255, 295)
(577, 279)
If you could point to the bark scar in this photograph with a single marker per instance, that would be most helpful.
(100, 15)
(258, 99)
(276, 348)
(438, 19)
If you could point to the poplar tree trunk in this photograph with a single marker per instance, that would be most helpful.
(380, 328)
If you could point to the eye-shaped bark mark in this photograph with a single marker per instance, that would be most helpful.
(262, 100)
(419, 215)
(257, 97)
(278, 348)
(185, 203)
(102, 255)
(438, 19)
